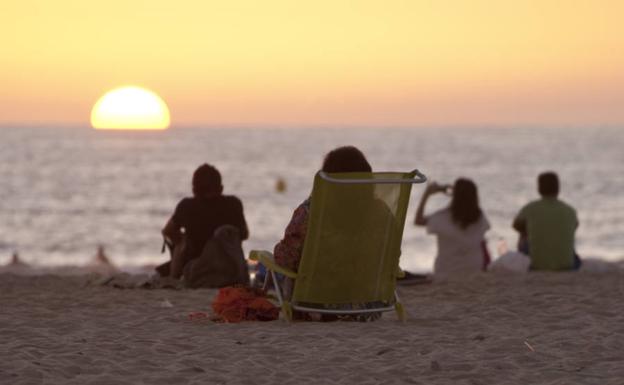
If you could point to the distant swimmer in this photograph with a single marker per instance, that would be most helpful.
(16, 261)
(101, 263)
(101, 257)
(280, 185)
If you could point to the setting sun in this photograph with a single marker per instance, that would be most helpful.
(130, 108)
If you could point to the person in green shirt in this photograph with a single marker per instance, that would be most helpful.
(547, 227)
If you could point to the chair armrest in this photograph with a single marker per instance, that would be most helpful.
(266, 258)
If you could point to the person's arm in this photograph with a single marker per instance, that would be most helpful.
(519, 224)
(420, 219)
(240, 221)
(173, 228)
(172, 232)
(288, 251)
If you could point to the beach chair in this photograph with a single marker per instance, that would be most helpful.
(350, 258)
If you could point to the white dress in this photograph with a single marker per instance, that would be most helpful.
(460, 252)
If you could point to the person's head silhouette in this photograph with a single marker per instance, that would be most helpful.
(548, 184)
(465, 202)
(346, 159)
(207, 181)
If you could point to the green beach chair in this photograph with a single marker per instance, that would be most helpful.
(350, 258)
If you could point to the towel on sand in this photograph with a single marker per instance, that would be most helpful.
(240, 303)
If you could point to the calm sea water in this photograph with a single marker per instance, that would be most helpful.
(66, 190)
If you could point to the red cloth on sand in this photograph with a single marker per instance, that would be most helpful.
(240, 303)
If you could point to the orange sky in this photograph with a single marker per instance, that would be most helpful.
(319, 63)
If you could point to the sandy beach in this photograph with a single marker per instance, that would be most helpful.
(545, 328)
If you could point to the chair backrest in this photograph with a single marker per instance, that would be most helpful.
(353, 240)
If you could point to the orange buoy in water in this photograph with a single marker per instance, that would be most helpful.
(280, 185)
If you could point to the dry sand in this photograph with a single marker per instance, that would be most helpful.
(540, 328)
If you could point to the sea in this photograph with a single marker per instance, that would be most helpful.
(67, 190)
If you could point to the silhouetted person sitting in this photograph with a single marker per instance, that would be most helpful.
(289, 250)
(209, 226)
(547, 228)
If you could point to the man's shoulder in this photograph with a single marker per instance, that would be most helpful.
(544, 204)
(187, 201)
(192, 202)
(533, 204)
(567, 206)
(528, 209)
(231, 200)
(183, 210)
(549, 202)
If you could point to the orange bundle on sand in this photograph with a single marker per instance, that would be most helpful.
(240, 303)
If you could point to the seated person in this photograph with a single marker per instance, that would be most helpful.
(288, 251)
(547, 228)
(196, 218)
(460, 229)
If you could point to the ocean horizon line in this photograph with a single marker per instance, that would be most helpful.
(295, 127)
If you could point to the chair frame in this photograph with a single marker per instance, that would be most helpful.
(266, 258)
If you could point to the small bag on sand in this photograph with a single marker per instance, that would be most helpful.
(221, 263)
(511, 261)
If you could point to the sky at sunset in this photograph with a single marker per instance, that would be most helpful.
(318, 63)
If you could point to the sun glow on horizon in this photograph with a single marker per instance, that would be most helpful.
(319, 64)
(130, 108)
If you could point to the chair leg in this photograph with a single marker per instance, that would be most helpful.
(399, 308)
(285, 305)
(287, 310)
